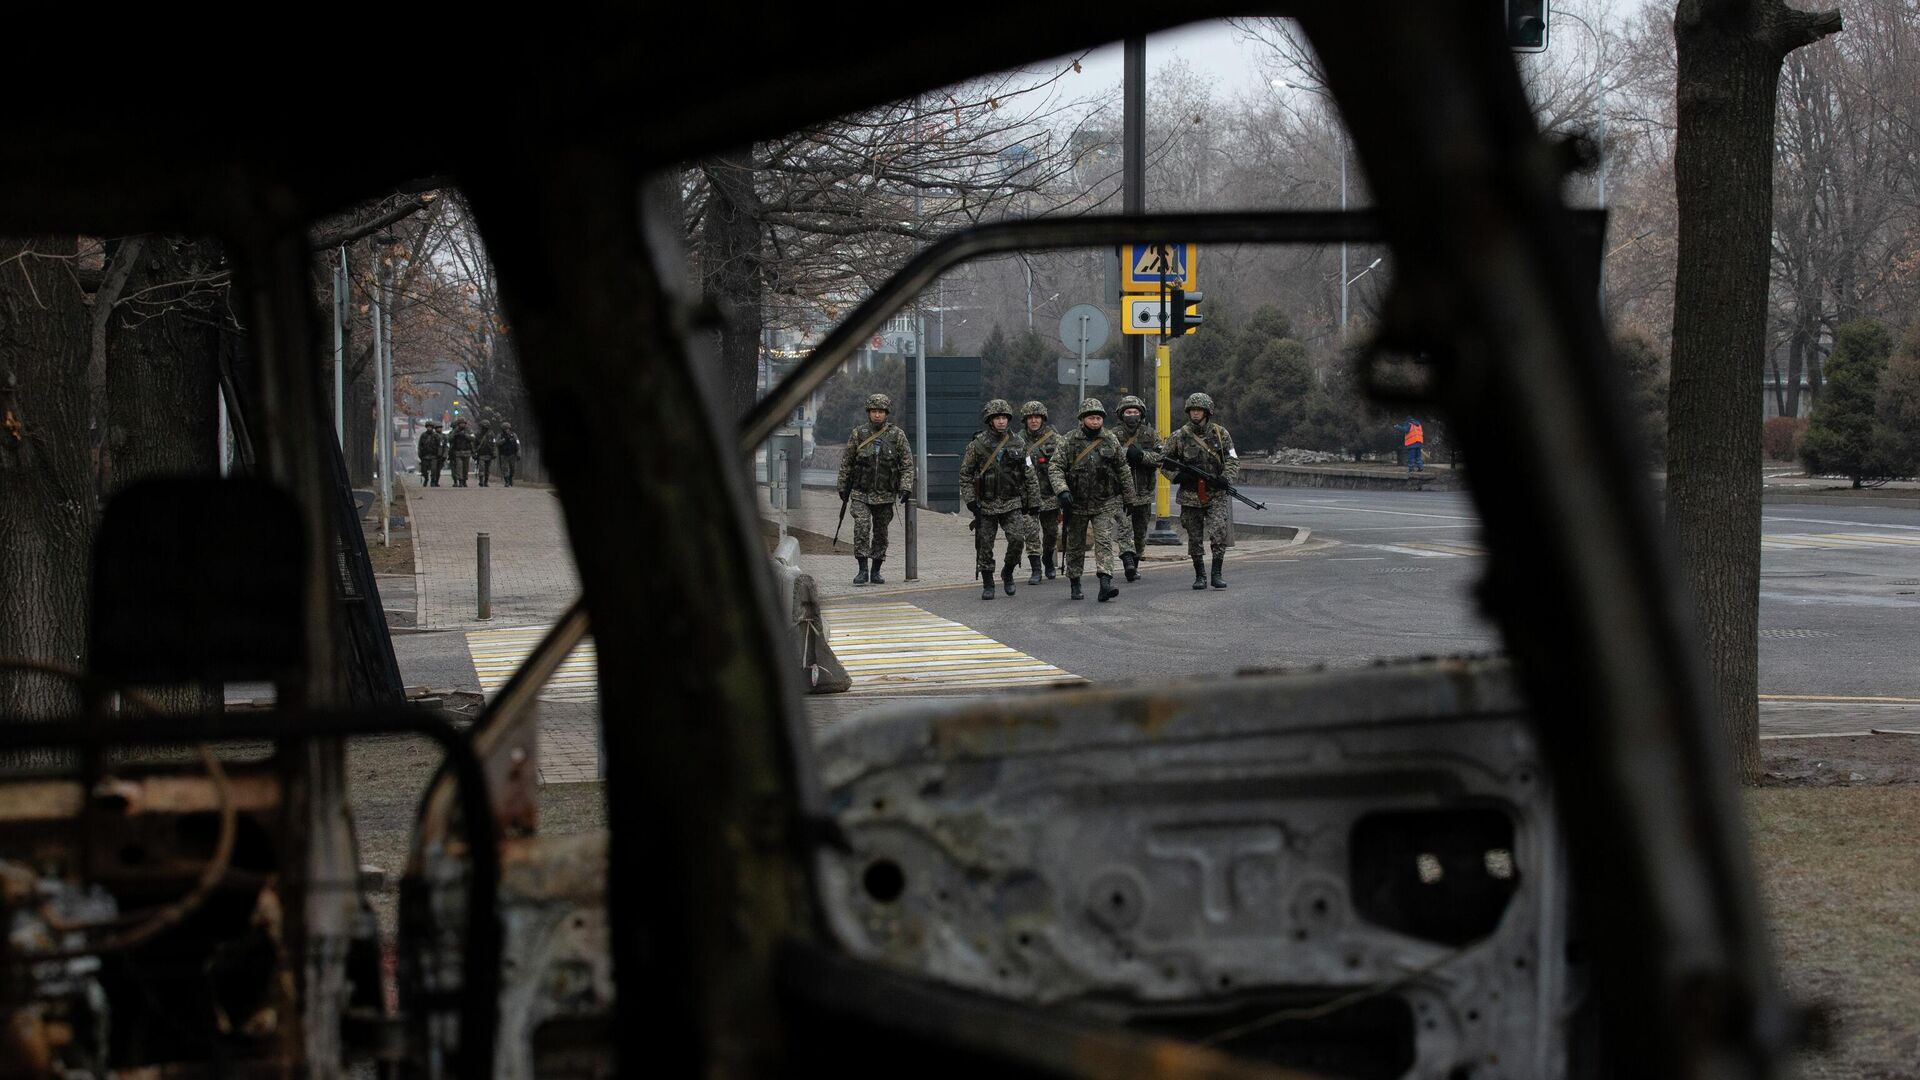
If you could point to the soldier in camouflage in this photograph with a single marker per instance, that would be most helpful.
(485, 446)
(1203, 514)
(461, 448)
(429, 448)
(1042, 443)
(1143, 447)
(1090, 477)
(876, 469)
(998, 484)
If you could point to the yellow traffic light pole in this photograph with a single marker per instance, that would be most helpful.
(1163, 409)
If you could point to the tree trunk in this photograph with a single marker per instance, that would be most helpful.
(1729, 54)
(360, 429)
(731, 258)
(163, 377)
(47, 505)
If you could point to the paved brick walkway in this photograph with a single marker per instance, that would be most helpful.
(533, 582)
(533, 574)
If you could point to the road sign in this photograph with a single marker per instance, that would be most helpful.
(878, 341)
(1098, 371)
(1145, 315)
(901, 344)
(1096, 328)
(1146, 267)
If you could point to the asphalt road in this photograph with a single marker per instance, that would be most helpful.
(1391, 574)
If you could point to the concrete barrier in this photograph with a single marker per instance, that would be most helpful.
(1254, 474)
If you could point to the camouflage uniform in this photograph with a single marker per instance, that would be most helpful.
(998, 484)
(1093, 469)
(509, 454)
(1203, 514)
(484, 448)
(1044, 535)
(429, 447)
(1137, 513)
(875, 470)
(461, 445)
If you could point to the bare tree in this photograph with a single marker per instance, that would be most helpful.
(792, 231)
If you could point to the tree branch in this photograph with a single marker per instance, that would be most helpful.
(348, 234)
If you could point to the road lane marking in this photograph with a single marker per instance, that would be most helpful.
(1855, 524)
(1837, 698)
(895, 647)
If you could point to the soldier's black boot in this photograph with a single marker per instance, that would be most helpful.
(1050, 573)
(1107, 591)
(1218, 581)
(1075, 594)
(1006, 573)
(1035, 561)
(986, 583)
(876, 578)
(861, 577)
(1132, 563)
(1199, 571)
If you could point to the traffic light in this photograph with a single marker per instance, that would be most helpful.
(1186, 317)
(1527, 25)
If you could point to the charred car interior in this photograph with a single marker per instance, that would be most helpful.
(1520, 866)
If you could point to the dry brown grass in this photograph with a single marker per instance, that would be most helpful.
(1840, 875)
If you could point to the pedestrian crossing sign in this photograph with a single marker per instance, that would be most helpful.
(1149, 267)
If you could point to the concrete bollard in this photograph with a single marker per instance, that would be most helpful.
(483, 554)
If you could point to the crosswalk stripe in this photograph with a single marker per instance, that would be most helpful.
(896, 647)
(497, 654)
(1834, 541)
(889, 647)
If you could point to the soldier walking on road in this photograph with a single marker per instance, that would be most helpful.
(484, 448)
(509, 453)
(876, 469)
(1143, 448)
(1089, 476)
(1205, 445)
(429, 448)
(1042, 442)
(998, 484)
(462, 447)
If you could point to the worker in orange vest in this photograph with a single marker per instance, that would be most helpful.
(1415, 439)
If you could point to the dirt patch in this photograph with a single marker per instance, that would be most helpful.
(811, 543)
(1836, 869)
(397, 557)
(1864, 759)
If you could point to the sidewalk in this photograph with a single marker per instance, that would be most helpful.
(532, 565)
(533, 582)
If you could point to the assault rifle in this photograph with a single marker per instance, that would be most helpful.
(1214, 483)
(844, 496)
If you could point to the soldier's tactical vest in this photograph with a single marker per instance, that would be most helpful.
(876, 459)
(430, 444)
(1043, 449)
(1202, 451)
(462, 443)
(1090, 468)
(1003, 475)
(1144, 473)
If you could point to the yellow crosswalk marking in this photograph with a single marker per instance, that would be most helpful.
(497, 654)
(892, 648)
(1835, 541)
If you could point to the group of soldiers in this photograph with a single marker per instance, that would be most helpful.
(1048, 491)
(463, 448)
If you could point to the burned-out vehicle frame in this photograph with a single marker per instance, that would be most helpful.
(1472, 867)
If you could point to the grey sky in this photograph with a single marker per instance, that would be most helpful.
(1209, 46)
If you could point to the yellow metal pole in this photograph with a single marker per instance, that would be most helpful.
(1163, 409)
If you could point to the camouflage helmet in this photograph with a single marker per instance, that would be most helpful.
(996, 407)
(879, 401)
(1132, 401)
(1092, 405)
(1034, 408)
(1198, 400)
